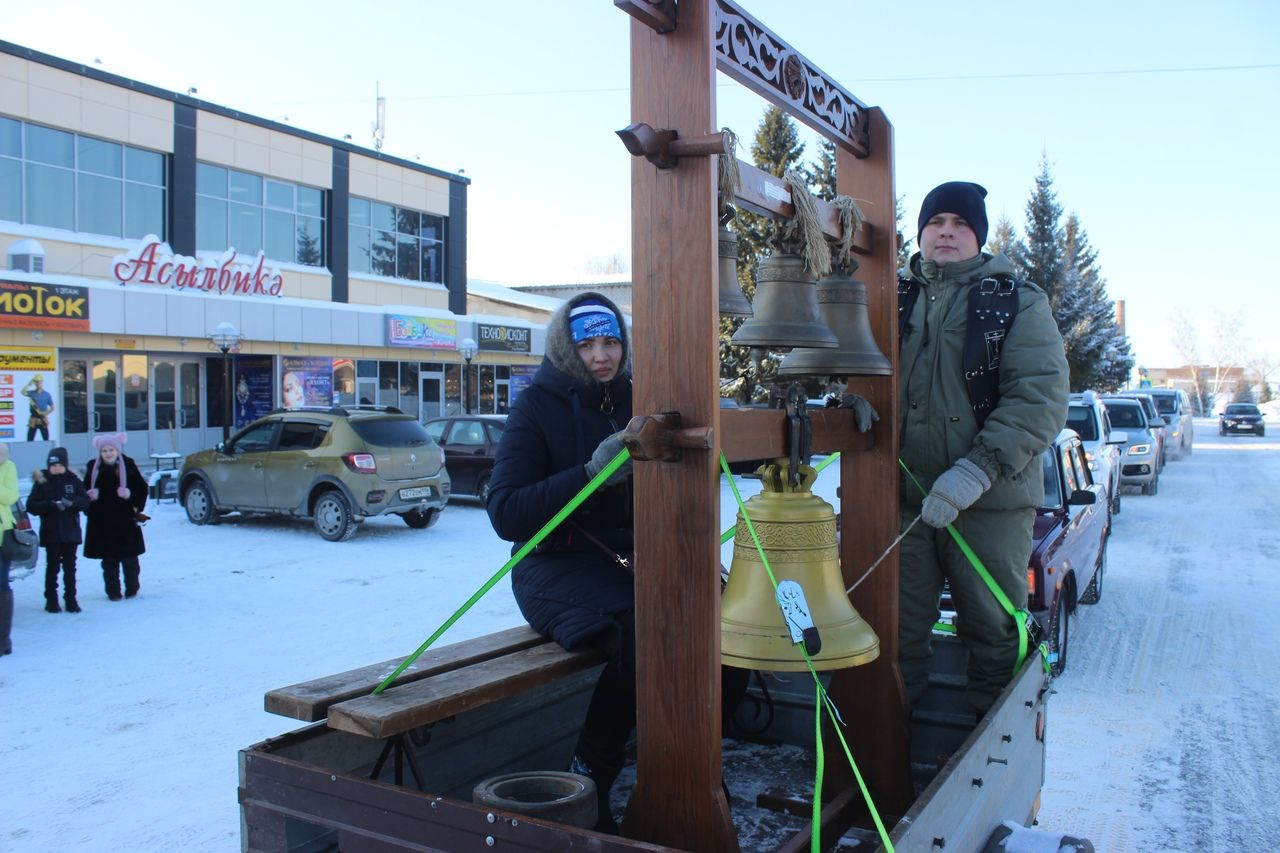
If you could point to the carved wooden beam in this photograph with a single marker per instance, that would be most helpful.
(748, 52)
(657, 15)
(763, 193)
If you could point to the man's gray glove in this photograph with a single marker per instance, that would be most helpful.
(62, 503)
(603, 455)
(864, 414)
(957, 489)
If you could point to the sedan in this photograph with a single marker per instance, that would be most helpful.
(469, 443)
(1241, 417)
(1069, 543)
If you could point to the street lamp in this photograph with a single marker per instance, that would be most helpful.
(226, 336)
(468, 349)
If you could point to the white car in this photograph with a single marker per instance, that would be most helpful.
(1087, 415)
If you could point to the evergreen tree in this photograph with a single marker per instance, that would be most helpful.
(821, 175)
(1039, 258)
(904, 243)
(1005, 238)
(775, 149)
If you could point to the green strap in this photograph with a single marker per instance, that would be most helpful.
(821, 697)
(1014, 612)
(546, 530)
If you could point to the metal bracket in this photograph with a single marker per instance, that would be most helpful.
(799, 432)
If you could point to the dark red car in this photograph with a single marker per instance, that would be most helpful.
(1069, 543)
(469, 443)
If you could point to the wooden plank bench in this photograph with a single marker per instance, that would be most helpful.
(441, 683)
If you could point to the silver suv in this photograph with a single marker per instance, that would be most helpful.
(1087, 415)
(1175, 407)
(1140, 456)
(336, 466)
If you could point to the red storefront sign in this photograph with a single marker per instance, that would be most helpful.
(154, 263)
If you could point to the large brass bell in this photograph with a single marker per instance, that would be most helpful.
(842, 300)
(733, 302)
(798, 532)
(785, 308)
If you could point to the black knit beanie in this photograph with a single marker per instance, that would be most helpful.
(962, 198)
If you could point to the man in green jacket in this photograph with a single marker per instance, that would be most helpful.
(978, 460)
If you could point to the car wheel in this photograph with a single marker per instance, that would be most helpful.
(418, 519)
(332, 517)
(1059, 635)
(482, 489)
(1221, 431)
(1262, 431)
(199, 505)
(1153, 487)
(1093, 592)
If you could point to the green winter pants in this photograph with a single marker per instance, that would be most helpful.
(1002, 540)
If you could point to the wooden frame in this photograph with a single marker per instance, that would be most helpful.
(676, 359)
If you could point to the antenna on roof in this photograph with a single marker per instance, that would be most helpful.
(380, 125)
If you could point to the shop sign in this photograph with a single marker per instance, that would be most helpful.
(126, 343)
(155, 263)
(28, 382)
(503, 338)
(29, 305)
(305, 381)
(421, 332)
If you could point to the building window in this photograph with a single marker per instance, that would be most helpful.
(254, 214)
(64, 180)
(395, 242)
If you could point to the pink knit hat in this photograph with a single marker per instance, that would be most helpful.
(117, 441)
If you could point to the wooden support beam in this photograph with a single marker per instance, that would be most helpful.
(657, 15)
(763, 193)
(872, 697)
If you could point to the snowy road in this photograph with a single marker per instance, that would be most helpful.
(119, 726)
(1165, 730)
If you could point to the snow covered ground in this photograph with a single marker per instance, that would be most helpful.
(119, 727)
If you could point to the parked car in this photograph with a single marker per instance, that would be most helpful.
(469, 443)
(1175, 407)
(1087, 415)
(1155, 421)
(1241, 417)
(1069, 543)
(336, 466)
(1140, 454)
(28, 536)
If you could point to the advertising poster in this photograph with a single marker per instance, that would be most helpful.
(404, 330)
(254, 393)
(521, 378)
(29, 305)
(28, 394)
(305, 381)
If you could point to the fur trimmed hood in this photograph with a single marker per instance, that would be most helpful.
(560, 348)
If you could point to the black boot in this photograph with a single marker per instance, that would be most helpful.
(604, 783)
(69, 588)
(111, 579)
(51, 605)
(51, 588)
(72, 605)
(132, 571)
(6, 621)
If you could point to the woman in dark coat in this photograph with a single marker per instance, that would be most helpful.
(117, 494)
(573, 587)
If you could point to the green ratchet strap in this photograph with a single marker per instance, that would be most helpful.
(821, 699)
(546, 530)
(1020, 615)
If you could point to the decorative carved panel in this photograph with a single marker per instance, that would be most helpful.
(747, 51)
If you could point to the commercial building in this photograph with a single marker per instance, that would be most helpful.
(135, 222)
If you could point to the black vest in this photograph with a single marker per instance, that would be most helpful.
(993, 303)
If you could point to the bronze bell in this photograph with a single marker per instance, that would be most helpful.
(785, 309)
(798, 532)
(733, 302)
(842, 300)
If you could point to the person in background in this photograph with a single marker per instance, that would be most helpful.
(41, 407)
(58, 497)
(117, 496)
(978, 459)
(577, 586)
(8, 497)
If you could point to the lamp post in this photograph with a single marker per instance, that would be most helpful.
(468, 349)
(225, 336)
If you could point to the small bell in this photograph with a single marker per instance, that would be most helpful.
(785, 309)
(842, 301)
(733, 302)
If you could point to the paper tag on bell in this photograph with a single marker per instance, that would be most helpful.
(795, 611)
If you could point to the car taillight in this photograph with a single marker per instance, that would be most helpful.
(1032, 577)
(361, 463)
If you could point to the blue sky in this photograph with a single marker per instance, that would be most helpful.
(1160, 119)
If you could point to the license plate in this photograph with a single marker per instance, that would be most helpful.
(413, 494)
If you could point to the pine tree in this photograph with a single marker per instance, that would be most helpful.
(775, 149)
(1039, 258)
(904, 245)
(1004, 239)
(821, 175)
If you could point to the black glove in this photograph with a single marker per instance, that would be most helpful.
(603, 455)
(62, 503)
(864, 414)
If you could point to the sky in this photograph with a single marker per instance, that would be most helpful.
(120, 726)
(1158, 119)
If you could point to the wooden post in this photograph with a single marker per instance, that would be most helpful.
(872, 698)
(677, 800)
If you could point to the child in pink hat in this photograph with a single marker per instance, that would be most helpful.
(117, 495)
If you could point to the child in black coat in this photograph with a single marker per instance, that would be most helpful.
(58, 497)
(118, 494)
